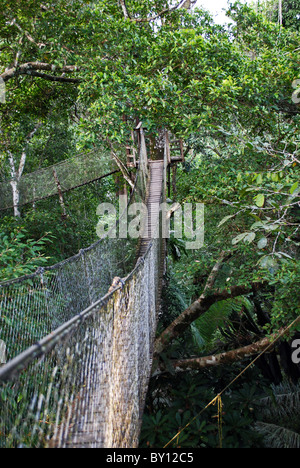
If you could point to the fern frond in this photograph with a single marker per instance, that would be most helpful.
(283, 406)
(217, 316)
(275, 436)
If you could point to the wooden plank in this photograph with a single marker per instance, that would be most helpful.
(154, 197)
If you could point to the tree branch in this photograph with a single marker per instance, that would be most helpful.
(199, 308)
(213, 274)
(162, 12)
(121, 166)
(227, 357)
(235, 355)
(34, 68)
(60, 79)
(27, 35)
(124, 8)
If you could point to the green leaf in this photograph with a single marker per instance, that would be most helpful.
(259, 179)
(293, 188)
(262, 243)
(268, 262)
(259, 200)
(238, 238)
(225, 219)
(249, 237)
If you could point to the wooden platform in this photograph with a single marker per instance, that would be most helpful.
(153, 203)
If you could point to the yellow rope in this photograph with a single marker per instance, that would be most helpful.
(218, 397)
(220, 414)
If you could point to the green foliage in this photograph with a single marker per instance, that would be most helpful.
(227, 91)
(20, 256)
(174, 403)
(221, 314)
(286, 280)
(290, 12)
(279, 417)
(174, 299)
(176, 248)
(249, 184)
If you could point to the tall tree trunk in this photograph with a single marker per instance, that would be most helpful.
(16, 177)
(16, 198)
(16, 174)
(280, 12)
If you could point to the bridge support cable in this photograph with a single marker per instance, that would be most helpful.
(72, 173)
(80, 359)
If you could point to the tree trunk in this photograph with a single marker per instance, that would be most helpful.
(227, 357)
(235, 355)
(16, 198)
(280, 12)
(16, 176)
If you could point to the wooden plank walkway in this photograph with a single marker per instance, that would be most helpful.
(153, 203)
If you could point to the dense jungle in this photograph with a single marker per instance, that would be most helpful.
(76, 78)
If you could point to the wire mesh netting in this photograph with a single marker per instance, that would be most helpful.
(69, 174)
(87, 382)
(79, 357)
(33, 306)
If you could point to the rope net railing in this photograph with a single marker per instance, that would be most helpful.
(79, 357)
(66, 175)
(34, 305)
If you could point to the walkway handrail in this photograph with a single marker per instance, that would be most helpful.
(71, 173)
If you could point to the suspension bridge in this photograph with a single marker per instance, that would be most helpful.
(64, 176)
(79, 351)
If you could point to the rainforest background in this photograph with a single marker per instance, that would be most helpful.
(79, 75)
